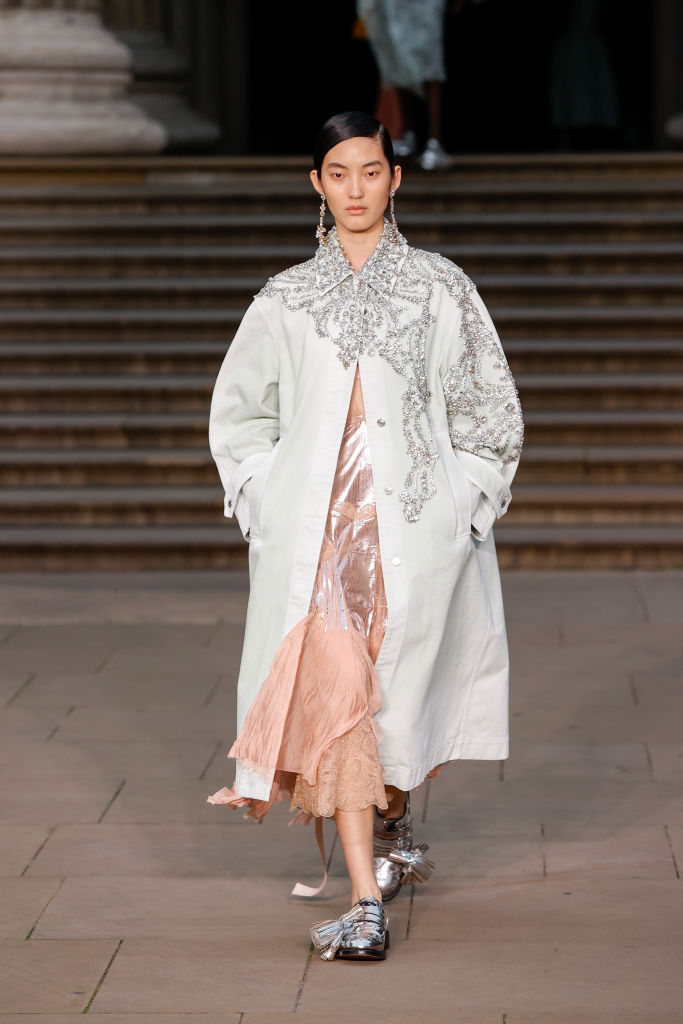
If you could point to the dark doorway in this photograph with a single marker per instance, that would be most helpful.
(305, 65)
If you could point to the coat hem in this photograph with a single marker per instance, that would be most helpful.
(463, 749)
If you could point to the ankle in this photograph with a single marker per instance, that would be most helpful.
(398, 805)
(364, 892)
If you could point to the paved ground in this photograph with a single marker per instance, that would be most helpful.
(557, 895)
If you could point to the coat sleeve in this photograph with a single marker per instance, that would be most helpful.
(244, 418)
(484, 412)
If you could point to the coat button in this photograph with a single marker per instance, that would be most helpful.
(229, 504)
(396, 560)
(388, 490)
(381, 422)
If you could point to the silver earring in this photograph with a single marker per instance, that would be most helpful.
(321, 230)
(393, 215)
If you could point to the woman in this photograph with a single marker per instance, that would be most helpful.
(366, 429)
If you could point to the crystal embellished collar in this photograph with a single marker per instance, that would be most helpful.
(380, 270)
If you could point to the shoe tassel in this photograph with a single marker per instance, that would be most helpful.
(329, 935)
(417, 867)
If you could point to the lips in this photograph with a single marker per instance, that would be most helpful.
(356, 209)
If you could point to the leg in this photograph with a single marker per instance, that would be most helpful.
(355, 833)
(433, 91)
(405, 98)
(397, 802)
(397, 797)
(434, 155)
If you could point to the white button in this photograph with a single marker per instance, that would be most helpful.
(381, 423)
(388, 490)
(396, 560)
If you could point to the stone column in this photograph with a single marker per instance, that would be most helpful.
(63, 82)
(160, 73)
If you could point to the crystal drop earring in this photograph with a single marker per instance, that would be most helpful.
(393, 215)
(321, 230)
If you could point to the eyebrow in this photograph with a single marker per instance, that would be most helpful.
(369, 164)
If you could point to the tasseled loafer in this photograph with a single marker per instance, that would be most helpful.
(362, 933)
(397, 861)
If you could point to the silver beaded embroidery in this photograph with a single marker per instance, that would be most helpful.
(385, 308)
(482, 400)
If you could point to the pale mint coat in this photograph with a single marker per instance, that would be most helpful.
(445, 432)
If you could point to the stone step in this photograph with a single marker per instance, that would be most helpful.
(189, 392)
(122, 547)
(582, 321)
(210, 261)
(109, 467)
(17, 325)
(578, 391)
(258, 195)
(426, 228)
(591, 546)
(601, 463)
(112, 505)
(541, 503)
(178, 429)
(78, 393)
(204, 323)
(236, 291)
(578, 355)
(595, 503)
(530, 546)
(120, 357)
(203, 171)
(656, 426)
(114, 430)
(124, 429)
(595, 355)
(185, 467)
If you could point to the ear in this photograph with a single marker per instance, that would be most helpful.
(396, 177)
(316, 182)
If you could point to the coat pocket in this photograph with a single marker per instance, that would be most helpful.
(458, 484)
(255, 489)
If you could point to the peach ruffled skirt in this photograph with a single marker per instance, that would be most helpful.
(311, 726)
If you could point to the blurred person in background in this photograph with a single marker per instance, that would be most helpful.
(584, 100)
(406, 38)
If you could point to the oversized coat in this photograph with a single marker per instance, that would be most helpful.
(445, 434)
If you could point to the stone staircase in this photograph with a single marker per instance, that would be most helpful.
(121, 284)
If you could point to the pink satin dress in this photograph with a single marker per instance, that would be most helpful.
(312, 720)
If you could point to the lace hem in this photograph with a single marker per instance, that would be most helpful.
(350, 776)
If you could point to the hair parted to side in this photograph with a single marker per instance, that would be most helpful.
(349, 125)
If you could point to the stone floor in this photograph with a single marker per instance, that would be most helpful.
(123, 894)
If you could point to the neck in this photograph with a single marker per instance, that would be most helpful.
(360, 245)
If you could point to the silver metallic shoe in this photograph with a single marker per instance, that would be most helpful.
(362, 933)
(397, 861)
(434, 157)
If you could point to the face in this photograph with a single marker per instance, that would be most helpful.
(356, 180)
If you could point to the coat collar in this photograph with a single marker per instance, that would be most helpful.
(380, 270)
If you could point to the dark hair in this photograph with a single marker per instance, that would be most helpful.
(350, 125)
